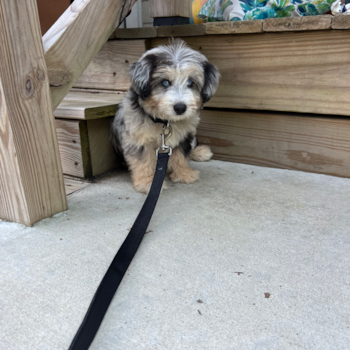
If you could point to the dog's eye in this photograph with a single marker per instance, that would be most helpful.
(189, 83)
(166, 83)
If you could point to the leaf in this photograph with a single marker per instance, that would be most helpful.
(323, 7)
(312, 10)
(302, 9)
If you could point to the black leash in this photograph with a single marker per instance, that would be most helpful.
(116, 271)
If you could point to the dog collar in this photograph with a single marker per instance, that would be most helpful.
(157, 120)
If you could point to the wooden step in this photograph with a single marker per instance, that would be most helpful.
(82, 124)
(317, 144)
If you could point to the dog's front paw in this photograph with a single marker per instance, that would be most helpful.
(187, 176)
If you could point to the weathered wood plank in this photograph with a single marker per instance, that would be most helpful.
(103, 156)
(31, 181)
(170, 8)
(135, 33)
(73, 41)
(341, 21)
(109, 69)
(280, 140)
(239, 27)
(181, 30)
(305, 72)
(73, 185)
(297, 23)
(68, 135)
(98, 91)
(87, 105)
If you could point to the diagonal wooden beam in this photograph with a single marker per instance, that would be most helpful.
(31, 181)
(73, 41)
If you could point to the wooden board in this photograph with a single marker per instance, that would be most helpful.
(181, 30)
(103, 156)
(73, 41)
(239, 27)
(134, 33)
(99, 91)
(341, 21)
(85, 147)
(69, 141)
(87, 105)
(285, 24)
(73, 185)
(307, 72)
(109, 70)
(297, 23)
(31, 181)
(280, 140)
(170, 8)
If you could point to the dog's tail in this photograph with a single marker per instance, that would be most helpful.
(201, 153)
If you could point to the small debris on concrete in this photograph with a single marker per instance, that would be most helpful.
(127, 198)
(239, 273)
(267, 295)
(199, 301)
(199, 312)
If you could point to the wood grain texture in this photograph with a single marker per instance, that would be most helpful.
(170, 8)
(239, 27)
(280, 140)
(68, 135)
(87, 105)
(73, 185)
(103, 156)
(88, 23)
(85, 147)
(135, 33)
(31, 181)
(341, 21)
(181, 30)
(297, 23)
(109, 69)
(305, 72)
(98, 91)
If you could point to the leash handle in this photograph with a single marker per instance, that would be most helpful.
(116, 271)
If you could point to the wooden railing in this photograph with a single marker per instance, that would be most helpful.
(35, 75)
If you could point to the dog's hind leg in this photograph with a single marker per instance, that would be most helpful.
(201, 153)
(180, 170)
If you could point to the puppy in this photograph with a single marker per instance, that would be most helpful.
(169, 84)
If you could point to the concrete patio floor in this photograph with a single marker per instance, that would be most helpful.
(247, 258)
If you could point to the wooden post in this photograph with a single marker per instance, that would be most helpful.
(170, 8)
(31, 180)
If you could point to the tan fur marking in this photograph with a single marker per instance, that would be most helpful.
(151, 102)
(180, 170)
(142, 171)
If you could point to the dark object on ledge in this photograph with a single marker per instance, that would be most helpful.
(170, 21)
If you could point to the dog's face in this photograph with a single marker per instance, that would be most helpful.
(172, 82)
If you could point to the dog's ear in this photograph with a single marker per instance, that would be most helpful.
(211, 81)
(141, 75)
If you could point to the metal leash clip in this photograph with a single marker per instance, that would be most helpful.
(163, 148)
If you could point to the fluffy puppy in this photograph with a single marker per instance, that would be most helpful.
(169, 84)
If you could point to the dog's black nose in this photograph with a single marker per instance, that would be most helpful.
(180, 108)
